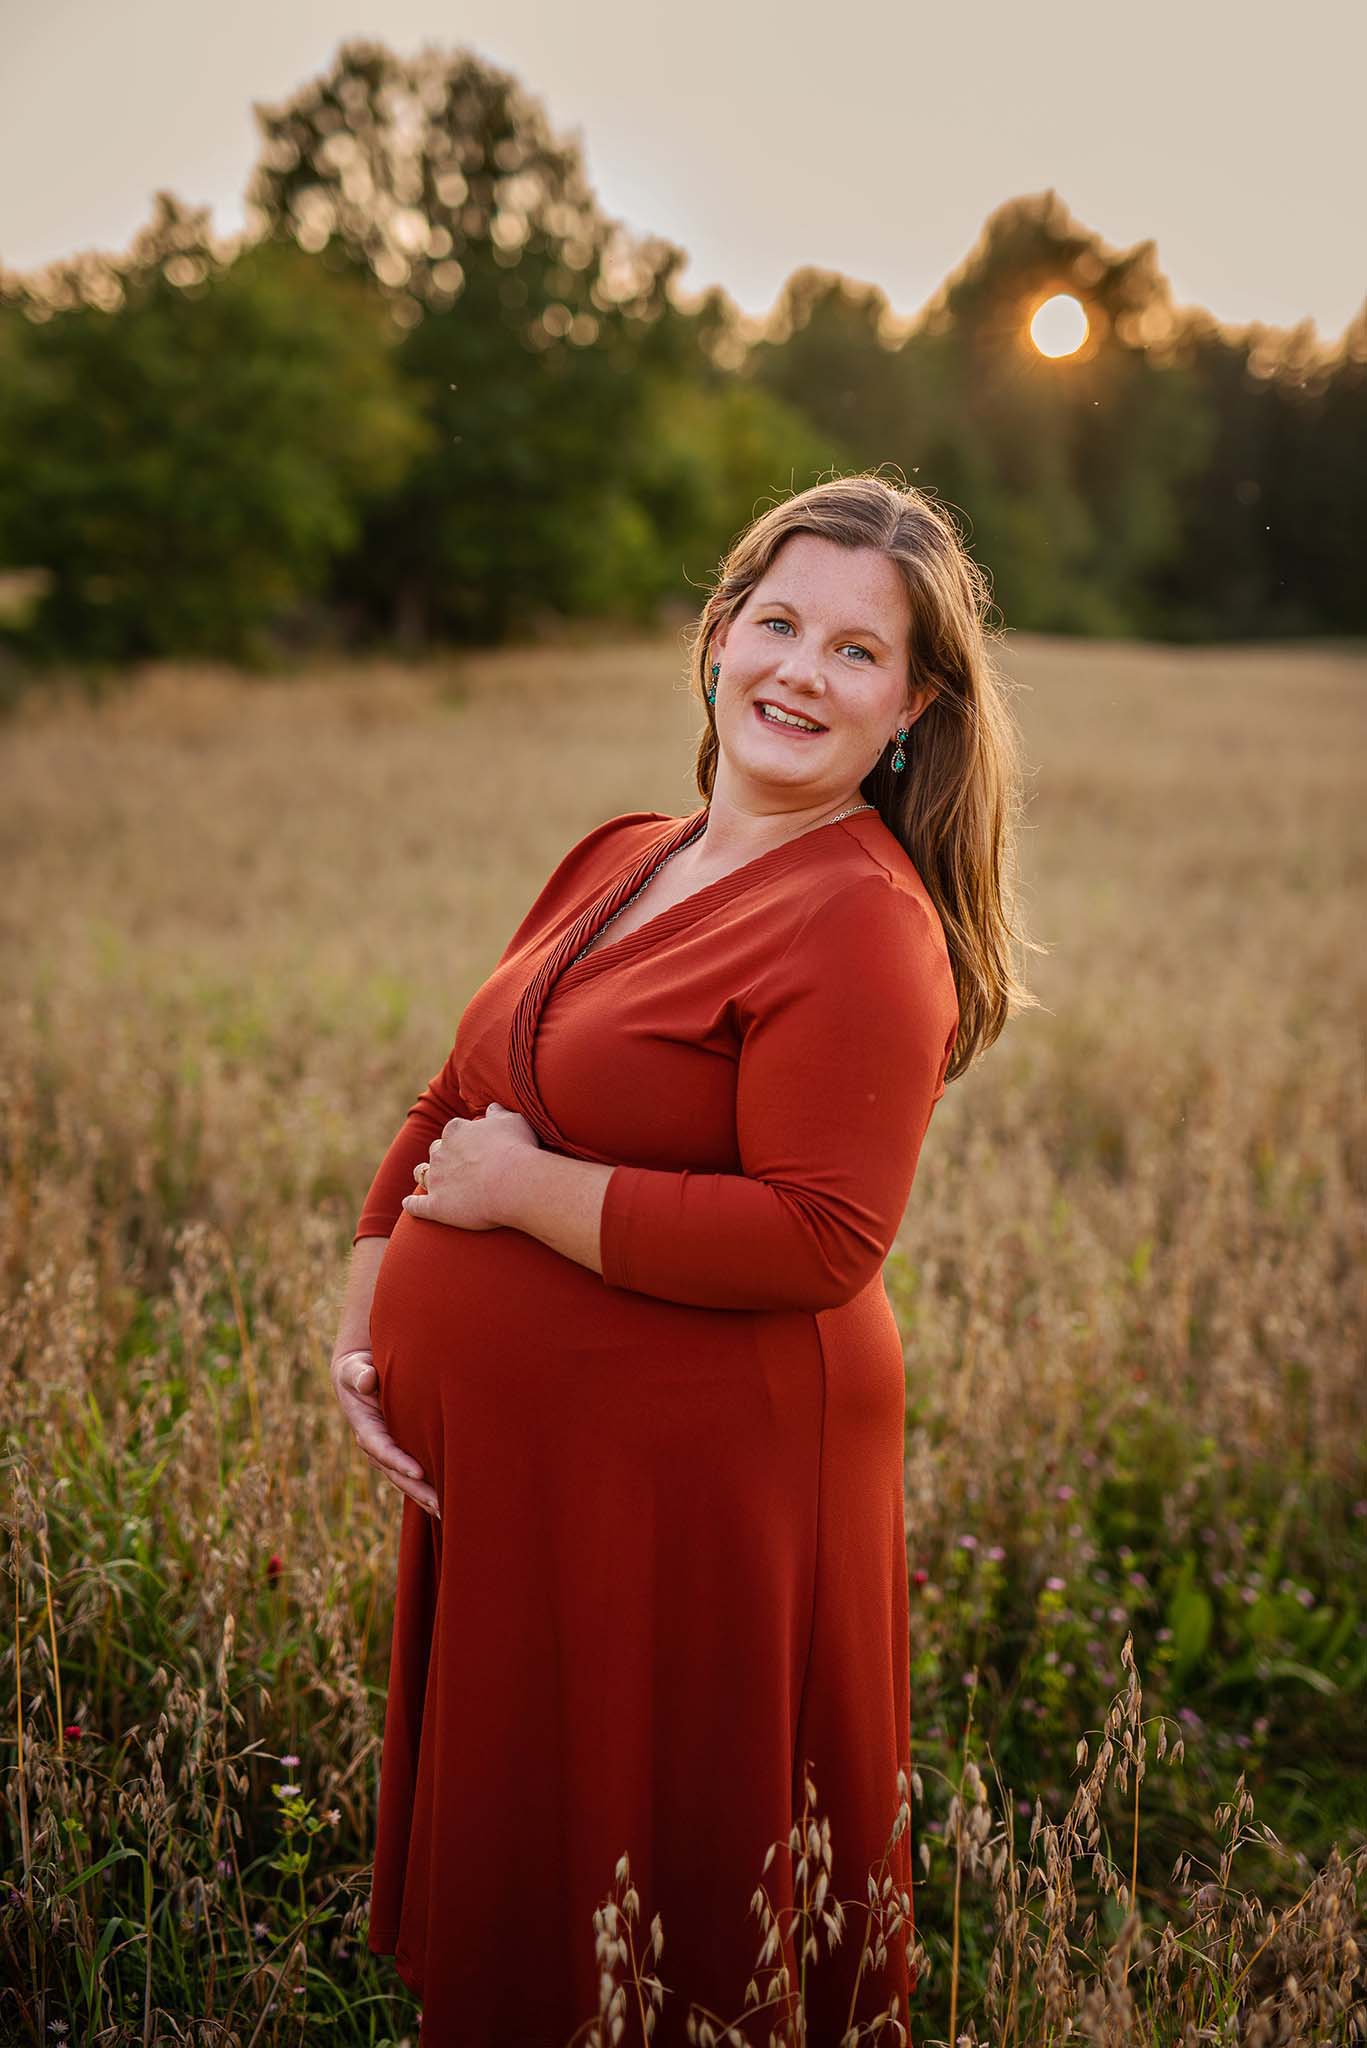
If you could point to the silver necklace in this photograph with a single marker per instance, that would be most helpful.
(679, 849)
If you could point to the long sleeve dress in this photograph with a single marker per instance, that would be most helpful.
(669, 1583)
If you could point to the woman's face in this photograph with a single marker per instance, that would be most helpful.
(824, 634)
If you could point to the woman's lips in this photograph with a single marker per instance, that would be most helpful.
(776, 725)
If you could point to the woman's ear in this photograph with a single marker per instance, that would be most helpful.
(919, 701)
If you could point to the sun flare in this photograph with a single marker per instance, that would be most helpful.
(1059, 326)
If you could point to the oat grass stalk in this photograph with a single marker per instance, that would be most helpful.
(1009, 1904)
(877, 1894)
(52, 1637)
(25, 1838)
(1277, 1924)
(267, 1977)
(810, 1840)
(247, 1350)
(614, 1943)
(956, 1819)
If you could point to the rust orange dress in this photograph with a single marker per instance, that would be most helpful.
(670, 1576)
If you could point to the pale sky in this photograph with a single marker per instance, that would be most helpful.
(872, 137)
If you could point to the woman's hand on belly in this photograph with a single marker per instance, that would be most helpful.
(470, 1168)
(357, 1387)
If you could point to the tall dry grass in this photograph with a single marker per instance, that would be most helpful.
(241, 920)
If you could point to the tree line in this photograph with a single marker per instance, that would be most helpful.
(433, 394)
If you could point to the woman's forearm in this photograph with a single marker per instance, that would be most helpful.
(559, 1201)
(353, 1328)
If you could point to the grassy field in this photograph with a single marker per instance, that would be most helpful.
(240, 920)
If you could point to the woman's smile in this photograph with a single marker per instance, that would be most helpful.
(782, 724)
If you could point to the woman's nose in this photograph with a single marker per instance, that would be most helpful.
(799, 671)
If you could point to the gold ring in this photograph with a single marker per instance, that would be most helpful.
(420, 1173)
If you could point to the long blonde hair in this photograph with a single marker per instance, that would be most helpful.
(956, 805)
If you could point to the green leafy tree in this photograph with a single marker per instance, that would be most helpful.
(1270, 536)
(187, 441)
(1317, 495)
(716, 448)
(830, 351)
(532, 326)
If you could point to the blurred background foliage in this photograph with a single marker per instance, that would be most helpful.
(433, 395)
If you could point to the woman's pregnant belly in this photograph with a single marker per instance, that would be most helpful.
(501, 1361)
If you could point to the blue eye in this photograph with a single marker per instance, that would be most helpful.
(776, 621)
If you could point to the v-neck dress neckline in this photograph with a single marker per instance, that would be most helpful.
(560, 963)
(678, 916)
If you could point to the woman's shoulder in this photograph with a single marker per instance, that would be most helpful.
(587, 866)
(615, 841)
(593, 860)
(873, 848)
(870, 922)
(867, 906)
(877, 873)
(626, 824)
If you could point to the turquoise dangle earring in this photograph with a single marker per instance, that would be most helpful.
(712, 693)
(899, 759)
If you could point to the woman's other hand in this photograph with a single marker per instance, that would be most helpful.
(470, 1168)
(357, 1387)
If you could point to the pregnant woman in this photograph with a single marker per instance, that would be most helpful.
(616, 1324)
